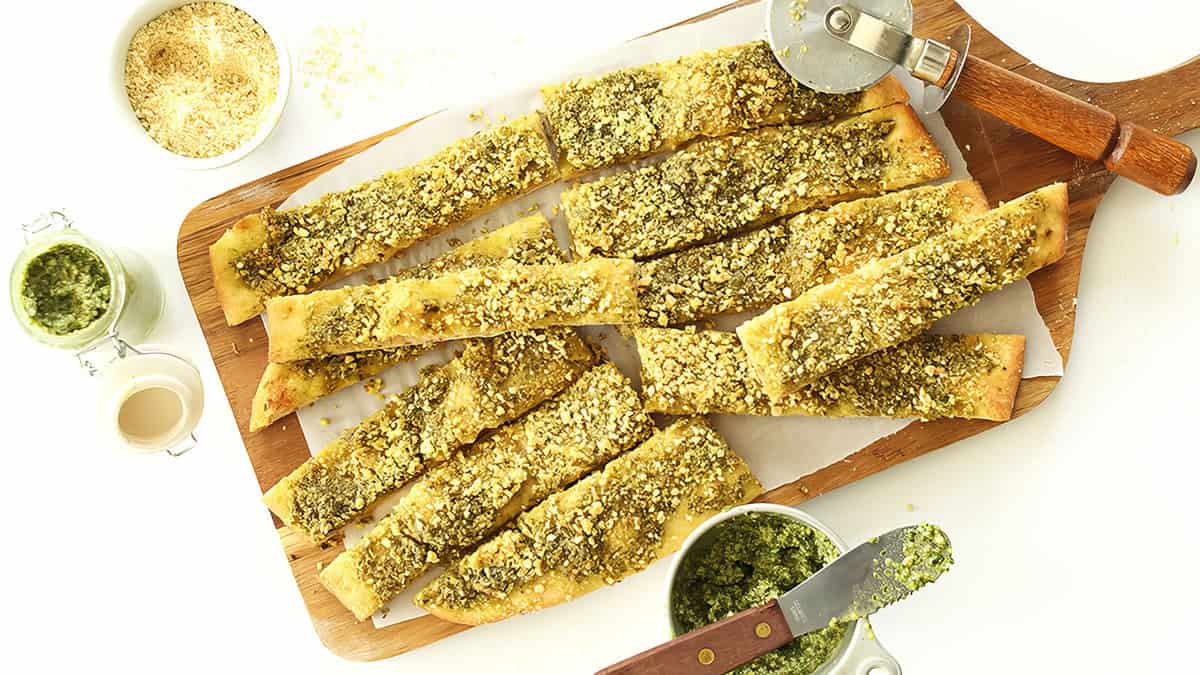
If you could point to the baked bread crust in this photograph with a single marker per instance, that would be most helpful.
(458, 504)
(779, 262)
(891, 300)
(276, 253)
(493, 381)
(635, 112)
(687, 372)
(611, 524)
(286, 387)
(476, 302)
(720, 186)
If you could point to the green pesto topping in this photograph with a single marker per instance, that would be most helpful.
(66, 288)
(827, 244)
(893, 299)
(723, 185)
(748, 561)
(733, 275)
(608, 525)
(308, 245)
(685, 372)
(461, 502)
(779, 262)
(525, 245)
(930, 376)
(634, 112)
(926, 554)
(494, 380)
(907, 563)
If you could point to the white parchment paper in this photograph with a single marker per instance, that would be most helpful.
(778, 450)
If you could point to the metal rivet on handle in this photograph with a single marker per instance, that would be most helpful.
(763, 630)
(706, 657)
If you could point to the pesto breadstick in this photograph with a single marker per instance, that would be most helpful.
(460, 503)
(891, 300)
(285, 387)
(492, 382)
(776, 263)
(276, 253)
(470, 303)
(612, 524)
(634, 112)
(686, 372)
(719, 186)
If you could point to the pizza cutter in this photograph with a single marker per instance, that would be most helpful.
(841, 46)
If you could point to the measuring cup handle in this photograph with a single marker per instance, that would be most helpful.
(183, 447)
(868, 657)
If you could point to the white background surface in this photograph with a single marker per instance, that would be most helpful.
(1074, 526)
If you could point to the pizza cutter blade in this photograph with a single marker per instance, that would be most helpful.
(843, 46)
(818, 59)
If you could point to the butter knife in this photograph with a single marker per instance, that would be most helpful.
(858, 583)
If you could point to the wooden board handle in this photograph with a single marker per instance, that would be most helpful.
(1149, 158)
(716, 648)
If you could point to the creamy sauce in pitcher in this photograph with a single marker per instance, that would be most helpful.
(148, 416)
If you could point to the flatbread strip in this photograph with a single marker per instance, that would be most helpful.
(492, 382)
(719, 186)
(687, 372)
(285, 387)
(776, 263)
(470, 303)
(276, 253)
(460, 503)
(606, 527)
(635, 112)
(891, 300)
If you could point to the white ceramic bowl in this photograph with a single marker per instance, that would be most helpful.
(148, 10)
(859, 653)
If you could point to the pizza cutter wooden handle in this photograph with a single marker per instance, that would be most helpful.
(717, 648)
(1141, 155)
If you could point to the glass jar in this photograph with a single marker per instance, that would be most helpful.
(150, 397)
(135, 297)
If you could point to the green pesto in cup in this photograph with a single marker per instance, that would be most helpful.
(748, 561)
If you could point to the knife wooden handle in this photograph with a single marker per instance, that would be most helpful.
(715, 648)
(1144, 156)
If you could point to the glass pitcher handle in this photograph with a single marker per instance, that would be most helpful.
(51, 220)
(183, 447)
(111, 347)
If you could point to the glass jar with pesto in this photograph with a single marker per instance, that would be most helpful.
(750, 554)
(70, 291)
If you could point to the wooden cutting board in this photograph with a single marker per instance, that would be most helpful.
(1006, 161)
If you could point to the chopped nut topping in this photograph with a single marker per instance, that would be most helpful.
(459, 503)
(491, 382)
(745, 272)
(779, 262)
(719, 186)
(344, 231)
(469, 303)
(605, 527)
(285, 387)
(685, 372)
(894, 299)
(634, 112)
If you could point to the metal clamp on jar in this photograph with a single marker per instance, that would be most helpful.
(70, 291)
